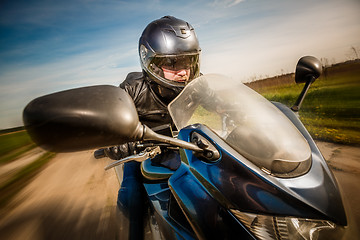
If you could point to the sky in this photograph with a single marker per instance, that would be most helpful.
(48, 46)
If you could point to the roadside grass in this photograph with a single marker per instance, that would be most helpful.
(12, 186)
(16, 153)
(13, 145)
(331, 109)
(201, 115)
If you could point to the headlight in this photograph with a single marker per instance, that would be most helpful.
(276, 227)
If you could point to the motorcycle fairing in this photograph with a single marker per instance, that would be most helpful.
(208, 192)
(207, 217)
(327, 192)
(160, 201)
(243, 186)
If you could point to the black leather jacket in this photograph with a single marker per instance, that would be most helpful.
(151, 109)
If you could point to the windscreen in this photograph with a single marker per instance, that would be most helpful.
(248, 122)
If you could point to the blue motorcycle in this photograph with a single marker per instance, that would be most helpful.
(240, 167)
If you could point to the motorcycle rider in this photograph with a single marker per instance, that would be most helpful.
(170, 58)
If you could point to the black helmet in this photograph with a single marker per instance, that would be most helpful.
(169, 43)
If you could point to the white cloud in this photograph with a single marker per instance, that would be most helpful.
(226, 3)
(235, 2)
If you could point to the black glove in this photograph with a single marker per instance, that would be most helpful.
(121, 151)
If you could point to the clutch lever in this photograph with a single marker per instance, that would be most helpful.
(149, 152)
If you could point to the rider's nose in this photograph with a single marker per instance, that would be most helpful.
(182, 72)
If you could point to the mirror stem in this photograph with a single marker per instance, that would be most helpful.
(151, 135)
(301, 97)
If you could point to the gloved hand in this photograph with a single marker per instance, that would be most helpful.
(121, 151)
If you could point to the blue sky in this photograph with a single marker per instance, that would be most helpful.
(48, 46)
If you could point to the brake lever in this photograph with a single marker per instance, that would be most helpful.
(149, 152)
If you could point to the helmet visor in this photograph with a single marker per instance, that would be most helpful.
(178, 64)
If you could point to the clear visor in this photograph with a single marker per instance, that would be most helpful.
(181, 68)
(176, 63)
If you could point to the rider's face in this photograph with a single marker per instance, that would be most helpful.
(180, 75)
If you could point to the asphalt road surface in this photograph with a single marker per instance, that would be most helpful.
(74, 198)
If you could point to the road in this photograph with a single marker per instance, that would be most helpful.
(345, 164)
(74, 198)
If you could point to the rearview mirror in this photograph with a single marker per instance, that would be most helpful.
(82, 118)
(87, 118)
(308, 69)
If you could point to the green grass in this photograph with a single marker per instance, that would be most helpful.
(331, 109)
(13, 145)
(12, 186)
(201, 115)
